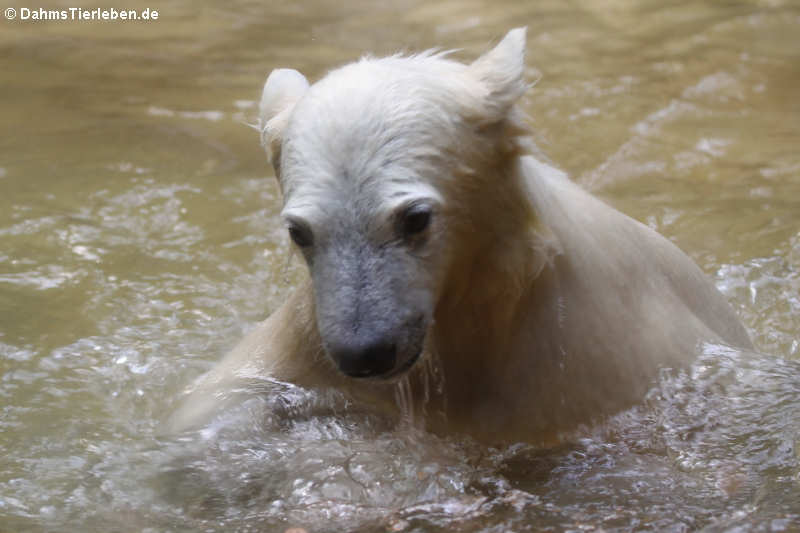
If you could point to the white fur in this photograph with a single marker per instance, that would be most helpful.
(548, 308)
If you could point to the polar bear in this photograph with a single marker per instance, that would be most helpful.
(432, 232)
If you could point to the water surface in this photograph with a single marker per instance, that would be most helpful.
(139, 239)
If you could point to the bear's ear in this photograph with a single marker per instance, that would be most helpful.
(282, 90)
(501, 71)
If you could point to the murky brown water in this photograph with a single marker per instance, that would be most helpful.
(139, 240)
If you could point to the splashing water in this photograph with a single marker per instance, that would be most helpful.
(140, 237)
(405, 401)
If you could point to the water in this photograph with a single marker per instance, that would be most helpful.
(139, 240)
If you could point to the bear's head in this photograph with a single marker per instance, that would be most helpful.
(384, 166)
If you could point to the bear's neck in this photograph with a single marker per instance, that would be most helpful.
(495, 268)
(485, 303)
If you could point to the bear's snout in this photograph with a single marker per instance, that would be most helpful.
(376, 354)
(365, 359)
(372, 307)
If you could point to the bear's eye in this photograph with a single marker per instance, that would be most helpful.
(415, 220)
(300, 234)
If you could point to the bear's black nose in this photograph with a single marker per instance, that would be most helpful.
(365, 359)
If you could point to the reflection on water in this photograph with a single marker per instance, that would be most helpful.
(139, 240)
